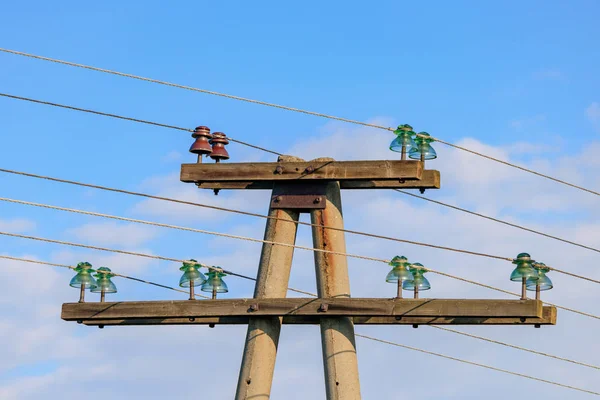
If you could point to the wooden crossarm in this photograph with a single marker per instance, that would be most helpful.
(309, 307)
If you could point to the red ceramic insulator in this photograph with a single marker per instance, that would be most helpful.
(202, 143)
(218, 141)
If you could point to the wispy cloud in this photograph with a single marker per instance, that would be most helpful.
(593, 113)
(527, 122)
(114, 233)
(548, 74)
(17, 225)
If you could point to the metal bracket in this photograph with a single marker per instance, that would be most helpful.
(299, 196)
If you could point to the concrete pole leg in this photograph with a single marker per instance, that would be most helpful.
(258, 362)
(337, 333)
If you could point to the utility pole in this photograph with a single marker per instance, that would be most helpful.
(313, 187)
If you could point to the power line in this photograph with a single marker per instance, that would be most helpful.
(162, 198)
(72, 64)
(515, 347)
(509, 292)
(111, 272)
(250, 214)
(499, 221)
(516, 166)
(310, 294)
(276, 153)
(130, 253)
(65, 243)
(141, 78)
(141, 121)
(356, 122)
(477, 364)
(265, 241)
(183, 228)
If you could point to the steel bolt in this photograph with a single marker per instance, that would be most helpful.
(279, 170)
(317, 200)
(310, 169)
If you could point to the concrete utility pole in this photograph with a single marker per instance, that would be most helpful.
(308, 187)
(258, 362)
(337, 334)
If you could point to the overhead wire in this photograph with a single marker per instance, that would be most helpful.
(476, 364)
(540, 353)
(345, 120)
(298, 222)
(100, 271)
(211, 92)
(282, 244)
(514, 166)
(71, 182)
(141, 121)
(183, 228)
(359, 335)
(130, 253)
(214, 93)
(498, 220)
(66, 243)
(276, 153)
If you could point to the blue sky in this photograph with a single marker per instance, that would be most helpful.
(517, 80)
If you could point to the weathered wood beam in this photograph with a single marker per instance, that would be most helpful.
(548, 318)
(306, 171)
(430, 308)
(430, 179)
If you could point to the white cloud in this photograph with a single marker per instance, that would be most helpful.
(119, 356)
(17, 225)
(527, 122)
(170, 186)
(593, 112)
(120, 263)
(548, 74)
(172, 156)
(114, 233)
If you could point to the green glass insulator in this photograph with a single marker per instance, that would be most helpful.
(543, 281)
(215, 282)
(524, 268)
(418, 279)
(191, 273)
(83, 277)
(104, 282)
